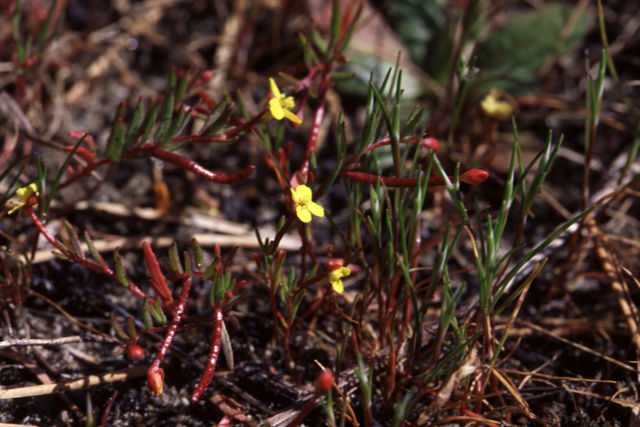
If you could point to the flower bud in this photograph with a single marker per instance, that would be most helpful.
(334, 263)
(155, 380)
(474, 176)
(206, 76)
(431, 143)
(324, 381)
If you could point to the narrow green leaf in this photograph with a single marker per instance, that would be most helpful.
(94, 252)
(136, 122)
(146, 317)
(158, 314)
(60, 174)
(182, 86)
(197, 253)
(219, 119)
(187, 263)
(131, 328)
(117, 328)
(174, 260)
(115, 142)
(507, 279)
(167, 115)
(120, 272)
(227, 348)
(149, 122)
(73, 239)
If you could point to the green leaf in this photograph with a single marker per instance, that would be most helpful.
(117, 328)
(197, 253)
(174, 260)
(73, 240)
(227, 349)
(116, 140)
(94, 252)
(528, 40)
(120, 273)
(136, 122)
(146, 317)
(167, 116)
(131, 328)
(419, 23)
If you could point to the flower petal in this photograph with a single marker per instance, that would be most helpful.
(345, 271)
(288, 103)
(274, 89)
(276, 108)
(303, 214)
(26, 191)
(315, 209)
(291, 116)
(304, 193)
(15, 209)
(337, 286)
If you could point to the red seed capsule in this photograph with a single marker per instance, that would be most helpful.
(135, 352)
(324, 381)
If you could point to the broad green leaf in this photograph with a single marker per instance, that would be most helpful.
(528, 40)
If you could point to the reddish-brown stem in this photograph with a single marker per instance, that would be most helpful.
(85, 172)
(276, 241)
(204, 96)
(84, 262)
(43, 230)
(214, 352)
(313, 137)
(173, 327)
(172, 158)
(246, 125)
(431, 143)
(473, 177)
(105, 415)
(195, 167)
(317, 120)
(86, 155)
(201, 138)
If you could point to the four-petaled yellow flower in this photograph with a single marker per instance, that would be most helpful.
(280, 105)
(335, 278)
(495, 107)
(305, 206)
(21, 197)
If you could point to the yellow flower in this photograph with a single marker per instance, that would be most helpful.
(280, 105)
(305, 206)
(335, 278)
(493, 107)
(21, 197)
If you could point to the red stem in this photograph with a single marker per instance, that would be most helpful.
(105, 415)
(84, 262)
(85, 172)
(195, 167)
(428, 142)
(171, 332)
(201, 138)
(473, 176)
(233, 132)
(317, 120)
(214, 352)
